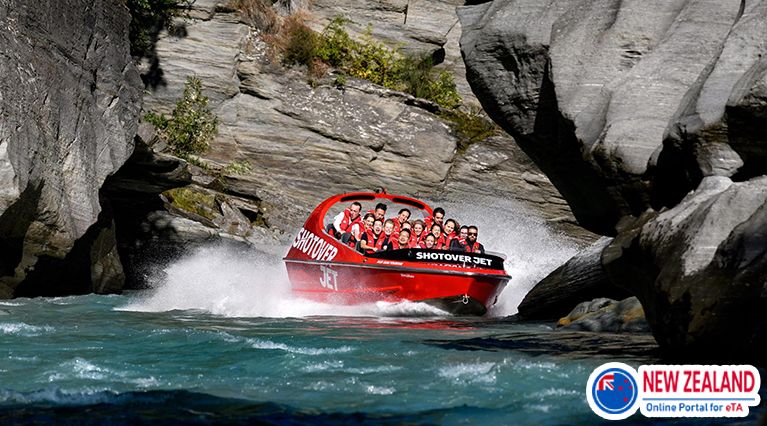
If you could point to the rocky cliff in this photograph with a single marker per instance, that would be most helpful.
(307, 142)
(69, 101)
(632, 108)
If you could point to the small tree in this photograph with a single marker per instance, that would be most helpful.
(191, 126)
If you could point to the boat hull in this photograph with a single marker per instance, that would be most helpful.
(456, 291)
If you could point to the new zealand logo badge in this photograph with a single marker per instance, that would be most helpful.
(612, 391)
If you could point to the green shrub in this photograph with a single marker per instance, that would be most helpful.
(367, 59)
(336, 47)
(302, 47)
(192, 201)
(150, 15)
(470, 127)
(191, 126)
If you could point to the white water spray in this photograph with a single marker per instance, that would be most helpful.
(532, 248)
(238, 283)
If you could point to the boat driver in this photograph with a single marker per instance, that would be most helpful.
(472, 246)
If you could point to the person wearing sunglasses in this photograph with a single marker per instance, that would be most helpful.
(472, 246)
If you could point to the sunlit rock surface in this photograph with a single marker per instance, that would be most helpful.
(306, 143)
(648, 110)
(69, 102)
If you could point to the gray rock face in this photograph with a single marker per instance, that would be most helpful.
(699, 270)
(650, 110)
(623, 105)
(164, 207)
(70, 99)
(581, 278)
(307, 143)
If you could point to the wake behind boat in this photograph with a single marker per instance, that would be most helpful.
(323, 268)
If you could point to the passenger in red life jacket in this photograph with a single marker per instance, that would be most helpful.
(449, 232)
(428, 241)
(342, 223)
(459, 244)
(358, 229)
(402, 242)
(417, 231)
(409, 227)
(472, 246)
(372, 240)
(439, 240)
(389, 232)
(437, 215)
(379, 212)
(402, 217)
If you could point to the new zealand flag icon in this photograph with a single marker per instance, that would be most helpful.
(614, 391)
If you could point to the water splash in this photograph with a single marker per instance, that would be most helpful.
(532, 248)
(239, 283)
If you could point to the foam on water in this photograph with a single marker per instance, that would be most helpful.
(23, 329)
(267, 344)
(477, 372)
(236, 283)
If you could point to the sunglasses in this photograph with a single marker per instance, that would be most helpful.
(473, 233)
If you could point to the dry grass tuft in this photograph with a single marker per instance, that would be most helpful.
(259, 14)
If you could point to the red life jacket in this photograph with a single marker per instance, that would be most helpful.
(473, 248)
(377, 243)
(440, 244)
(353, 240)
(450, 238)
(386, 240)
(346, 223)
(395, 245)
(427, 223)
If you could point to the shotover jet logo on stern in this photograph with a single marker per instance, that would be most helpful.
(612, 391)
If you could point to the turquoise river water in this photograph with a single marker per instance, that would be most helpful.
(220, 340)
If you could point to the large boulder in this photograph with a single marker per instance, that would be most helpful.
(581, 278)
(624, 105)
(69, 101)
(606, 315)
(698, 269)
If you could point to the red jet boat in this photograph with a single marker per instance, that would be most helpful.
(324, 269)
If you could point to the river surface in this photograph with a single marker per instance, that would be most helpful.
(98, 359)
(220, 340)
